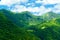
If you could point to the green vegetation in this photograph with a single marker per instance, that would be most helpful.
(25, 26)
(10, 31)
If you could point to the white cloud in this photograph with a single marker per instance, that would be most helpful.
(33, 9)
(38, 1)
(48, 1)
(56, 8)
(31, 4)
(10, 2)
(41, 10)
(19, 8)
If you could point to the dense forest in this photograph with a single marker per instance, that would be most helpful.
(26, 26)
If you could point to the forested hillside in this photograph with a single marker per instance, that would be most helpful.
(11, 31)
(26, 26)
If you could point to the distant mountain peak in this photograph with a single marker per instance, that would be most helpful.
(50, 15)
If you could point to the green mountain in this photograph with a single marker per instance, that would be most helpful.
(27, 18)
(11, 31)
(25, 26)
(22, 19)
(50, 15)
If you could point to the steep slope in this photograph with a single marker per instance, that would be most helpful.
(10, 31)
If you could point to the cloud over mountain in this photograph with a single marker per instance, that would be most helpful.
(35, 6)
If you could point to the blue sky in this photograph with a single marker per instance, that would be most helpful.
(36, 6)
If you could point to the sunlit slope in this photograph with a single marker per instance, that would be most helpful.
(48, 30)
